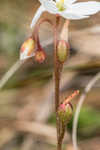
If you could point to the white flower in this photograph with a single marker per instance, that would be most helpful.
(67, 9)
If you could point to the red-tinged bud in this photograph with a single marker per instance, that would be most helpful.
(27, 49)
(40, 56)
(62, 51)
(65, 112)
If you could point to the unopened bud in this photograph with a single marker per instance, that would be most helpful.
(27, 49)
(40, 56)
(62, 51)
(65, 112)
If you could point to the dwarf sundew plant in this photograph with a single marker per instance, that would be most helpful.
(70, 10)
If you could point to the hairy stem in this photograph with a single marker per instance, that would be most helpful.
(57, 72)
(62, 132)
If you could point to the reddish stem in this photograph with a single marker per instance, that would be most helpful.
(57, 73)
(35, 33)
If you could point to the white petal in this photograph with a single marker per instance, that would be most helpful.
(86, 8)
(23, 57)
(50, 6)
(66, 1)
(72, 16)
(24, 54)
(57, 1)
(40, 10)
(42, 1)
(73, 1)
(69, 1)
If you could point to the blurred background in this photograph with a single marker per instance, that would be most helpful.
(27, 118)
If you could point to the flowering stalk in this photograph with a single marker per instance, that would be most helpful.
(58, 67)
(65, 112)
(36, 31)
(57, 72)
(40, 54)
(61, 53)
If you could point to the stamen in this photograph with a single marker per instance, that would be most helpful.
(62, 1)
(60, 5)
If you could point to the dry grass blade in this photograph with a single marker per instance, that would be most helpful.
(46, 132)
(81, 100)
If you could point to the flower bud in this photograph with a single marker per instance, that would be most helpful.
(62, 51)
(65, 112)
(40, 56)
(27, 49)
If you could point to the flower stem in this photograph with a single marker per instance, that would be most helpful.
(35, 34)
(62, 132)
(57, 73)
